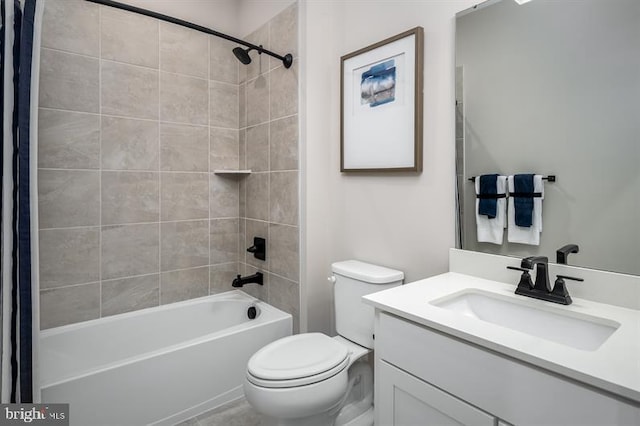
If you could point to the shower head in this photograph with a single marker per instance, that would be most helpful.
(242, 55)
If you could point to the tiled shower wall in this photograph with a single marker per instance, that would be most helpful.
(135, 114)
(269, 147)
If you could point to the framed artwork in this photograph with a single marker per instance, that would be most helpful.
(381, 109)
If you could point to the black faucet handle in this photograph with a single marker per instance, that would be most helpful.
(525, 283)
(259, 248)
(566, 277)
(560, 293)
(515, 268)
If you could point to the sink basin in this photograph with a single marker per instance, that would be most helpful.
(569, 328)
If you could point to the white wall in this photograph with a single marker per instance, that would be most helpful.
(219, 15)
(404, 221)
(234, 17)
(253, 13)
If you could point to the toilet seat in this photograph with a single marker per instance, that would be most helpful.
(297, 360)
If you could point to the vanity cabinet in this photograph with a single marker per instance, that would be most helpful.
(406, 401)
(427, 377)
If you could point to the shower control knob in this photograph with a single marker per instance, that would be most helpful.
(331, 279)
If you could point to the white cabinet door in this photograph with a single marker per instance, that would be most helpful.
(408, 401)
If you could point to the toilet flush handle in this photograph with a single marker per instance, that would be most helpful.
(331, 279)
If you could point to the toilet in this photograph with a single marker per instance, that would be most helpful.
(312, 379)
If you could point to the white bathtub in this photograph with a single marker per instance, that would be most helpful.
(156, 366)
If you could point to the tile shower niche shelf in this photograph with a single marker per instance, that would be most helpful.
(232, 173)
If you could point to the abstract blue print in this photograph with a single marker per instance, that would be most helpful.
(378, 84)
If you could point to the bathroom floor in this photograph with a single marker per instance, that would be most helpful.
(236, 413)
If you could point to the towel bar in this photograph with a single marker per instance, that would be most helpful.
(550, 178)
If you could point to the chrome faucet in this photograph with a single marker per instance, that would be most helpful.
(542, 287)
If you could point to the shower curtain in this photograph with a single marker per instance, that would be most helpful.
(19, 51)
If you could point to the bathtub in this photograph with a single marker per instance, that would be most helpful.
(159, 365)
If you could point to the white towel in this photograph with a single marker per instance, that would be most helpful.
(526, 235)
(492, 230)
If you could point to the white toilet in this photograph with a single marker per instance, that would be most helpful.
(311, 379)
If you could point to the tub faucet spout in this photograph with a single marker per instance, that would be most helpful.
(256, 278)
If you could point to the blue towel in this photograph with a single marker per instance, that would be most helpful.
(523, 184)
(488, 186)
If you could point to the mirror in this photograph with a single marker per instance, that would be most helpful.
(552, 88)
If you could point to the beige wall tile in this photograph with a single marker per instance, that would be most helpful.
(69, 81)
(185, 284)
(257, 141)
(204, 129)
(184, 148)
(223, 105)
(221, 276)
(242, 192)
(223, 241)
(129, 250)
(72, 26)
(258, 100)
(130, 197)
(223, 64)
(242, 73)
(62, 306)
(257, 196)
(242, 247)
(129, 37)
(184, 51)
(259, 63)
(223, 197)
(68, 198)
(183, 99)
(68, 140)
(284, 34)
(224, 149)
(242, 205)
(130, 294)
(184, 196)
(283, 100)
(129, 90)
(283, 198)
(283, 144)
(69, 256)
(242, 149)
(242, 105)
(283, 247)
(129, 144)
(285, 294)
(184, 244)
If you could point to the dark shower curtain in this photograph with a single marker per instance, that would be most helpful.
(16, 40)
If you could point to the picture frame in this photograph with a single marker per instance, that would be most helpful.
(381, 92)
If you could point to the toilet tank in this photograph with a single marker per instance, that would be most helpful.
(354, 279)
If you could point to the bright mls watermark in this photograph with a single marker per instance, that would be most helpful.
(35, 414)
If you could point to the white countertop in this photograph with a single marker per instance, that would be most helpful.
(614, 366)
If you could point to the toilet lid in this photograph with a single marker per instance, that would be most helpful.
(296, 357)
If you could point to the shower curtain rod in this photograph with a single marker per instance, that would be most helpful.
(287, 59)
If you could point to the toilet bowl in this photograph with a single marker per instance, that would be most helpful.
(312, 379)
(303, 378)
